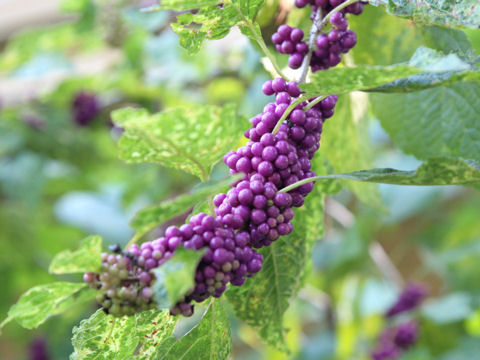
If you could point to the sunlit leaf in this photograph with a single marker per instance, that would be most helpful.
(86, 258)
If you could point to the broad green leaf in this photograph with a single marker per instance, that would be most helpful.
(442, 70)
(86, 258)
(180, 5)
(434, 171)
(262, 301)
(149, 217)
(441, 121)
(343, 135)
(130, 337)
(176, 277)
(212, 21)
(190, 139)
(39, 303)
(450, 13)
(447, 41)
(345, 79)
(210, 339)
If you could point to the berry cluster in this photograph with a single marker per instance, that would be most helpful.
(253, 213)
(85, 107)
(394, 340)
(289, 40)
(329, 46)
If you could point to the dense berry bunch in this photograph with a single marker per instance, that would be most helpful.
(330, 46)
(328, 5)
(289, 40)
(253, 213)
(85, 107)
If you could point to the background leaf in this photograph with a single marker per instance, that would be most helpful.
(190, 139)
(175, 277)
(39, 303)
(86, 258)
(210, 339)
(425, 123)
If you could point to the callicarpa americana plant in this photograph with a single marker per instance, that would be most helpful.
(247, 240)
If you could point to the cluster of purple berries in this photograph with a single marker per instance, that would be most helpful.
(85, 107)
(289, 40)
(329, 47)
(394, 340)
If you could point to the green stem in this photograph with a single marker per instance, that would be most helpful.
(338, 8)
(259, 40)
(314, 102)
(287, 112)
(305, 181)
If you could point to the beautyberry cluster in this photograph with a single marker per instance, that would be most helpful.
(394, 340)
(288, 40)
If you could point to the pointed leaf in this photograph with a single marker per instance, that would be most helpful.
(39, 303)
(86, 258)
(210, 339)
(434, 171)
(190, 139)
(175, 277)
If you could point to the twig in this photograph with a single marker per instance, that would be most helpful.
(316, 27)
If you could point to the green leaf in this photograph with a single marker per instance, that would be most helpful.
(345, 79)
(443, 70)
(130, 337)
(176, 277)
(210, 339)
(395, 38)
(263, 299)
(212, 21)
(181, 5)
(190, 139)
(441, 121)
(447, 41)
(434, 171)
(346, 134)
(39, 303)
(450, 13)
(149, 217)
(86, 258)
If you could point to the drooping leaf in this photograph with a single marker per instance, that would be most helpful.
(130, 337)
(149, 217)
(450, 13)
(263, 299)
(210, 339)
(39, 303)
(443, 70)
(426, 123)
(190, 139)
(342, 80)
(345, 144)
(434, 171)
(176, 277)
(86, 258)
(447, 41)
(213, 20)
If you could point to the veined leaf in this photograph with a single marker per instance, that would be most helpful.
(176, 277)
(190, 139)
(129, 337)
(426, 123)
(434, 171)
(210, 339)
(181, 5)
(39, 303)
(146, 219)
(86, 258)
(450, 13)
